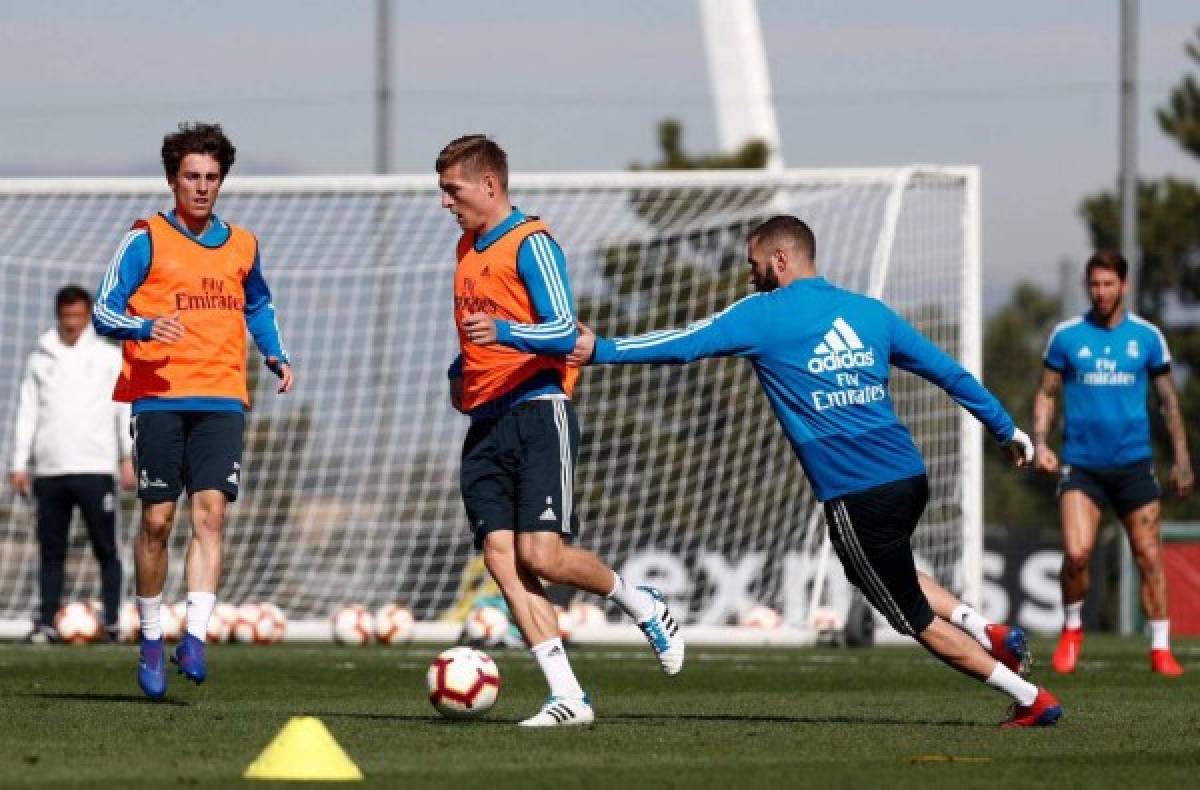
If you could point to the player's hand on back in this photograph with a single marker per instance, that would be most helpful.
(1044, 459)
(167, 329)
(1019, 448)
(585, 347)
(1182, 479)
(480, 329)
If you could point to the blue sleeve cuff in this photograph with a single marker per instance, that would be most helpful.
(503, 332)
(604, 352)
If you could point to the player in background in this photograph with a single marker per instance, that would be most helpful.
(822, 356)
(181, 291)
(1101, 361)
(515, 316)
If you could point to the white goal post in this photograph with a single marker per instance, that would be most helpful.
(351, 485)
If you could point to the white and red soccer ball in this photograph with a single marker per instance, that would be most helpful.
(353, 625)
(585, 614)
(463, 683)
(77, 623)
(566, 623)
(221, 622)
(393, 624)
(761, 618)
(259, 624)
(486, 625)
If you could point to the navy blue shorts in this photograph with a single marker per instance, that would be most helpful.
(194, 451)
(1126, 488)
(871, 531)
(518, 470)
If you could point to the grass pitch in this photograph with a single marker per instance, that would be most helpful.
(73, 716)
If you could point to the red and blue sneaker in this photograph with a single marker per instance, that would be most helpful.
(189, 657)
(1009, 647)
(152, 668)
(1044, 712)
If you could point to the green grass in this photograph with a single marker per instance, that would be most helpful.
(733, 719)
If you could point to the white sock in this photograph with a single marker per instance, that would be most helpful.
(1004, 679)
(1160, 634)
(973, 623)
(1073, 615)
(552, 658)
(149, 616)
(637, 603)
(199, 609)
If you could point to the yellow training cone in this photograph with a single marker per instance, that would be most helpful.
(304, 751)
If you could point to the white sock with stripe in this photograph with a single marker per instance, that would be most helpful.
(973, 623)
(199, 609)
(150, 616)
(1012, 684)
(636, 603)
(552, 658)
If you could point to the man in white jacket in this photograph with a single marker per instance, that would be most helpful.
(69, 438)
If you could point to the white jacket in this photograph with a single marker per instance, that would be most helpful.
(67, 421)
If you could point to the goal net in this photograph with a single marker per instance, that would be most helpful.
(351, 486)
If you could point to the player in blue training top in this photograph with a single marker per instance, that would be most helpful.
(1101, 361)
(822, 355)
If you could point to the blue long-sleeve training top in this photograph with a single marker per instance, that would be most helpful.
(823, 356)
(128, 270)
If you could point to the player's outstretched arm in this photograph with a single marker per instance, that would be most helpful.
(732, 332)
(1182, 479)
(1043, 420)
(913, 352)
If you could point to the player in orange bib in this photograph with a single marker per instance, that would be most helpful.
(516, 323)
(181, 292)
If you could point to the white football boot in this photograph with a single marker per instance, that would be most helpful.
(562, 712)
(662, 632)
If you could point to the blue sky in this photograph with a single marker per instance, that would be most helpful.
(1025, 89)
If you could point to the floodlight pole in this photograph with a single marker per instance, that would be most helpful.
(738, 76)
(383, 90)
(1128, 173)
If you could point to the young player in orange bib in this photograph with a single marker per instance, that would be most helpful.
(181, 292)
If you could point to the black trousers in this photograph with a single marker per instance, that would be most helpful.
(96, 497)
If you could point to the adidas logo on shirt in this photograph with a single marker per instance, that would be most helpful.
(841, 349)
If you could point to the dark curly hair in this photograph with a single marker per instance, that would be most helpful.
(197, 138)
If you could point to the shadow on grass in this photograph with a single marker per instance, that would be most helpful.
(131, 698)
(398, 717)
(718, 718)
(739, 718)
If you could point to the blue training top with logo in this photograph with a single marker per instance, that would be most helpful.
(1104, 388)
(822, 355)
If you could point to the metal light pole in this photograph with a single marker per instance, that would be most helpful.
(1128, 173)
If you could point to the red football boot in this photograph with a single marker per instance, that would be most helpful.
(1163, 663)
(1066, 655)
(1044, 712)
(1009, 647)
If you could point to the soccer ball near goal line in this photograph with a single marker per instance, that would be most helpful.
(463, 682)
